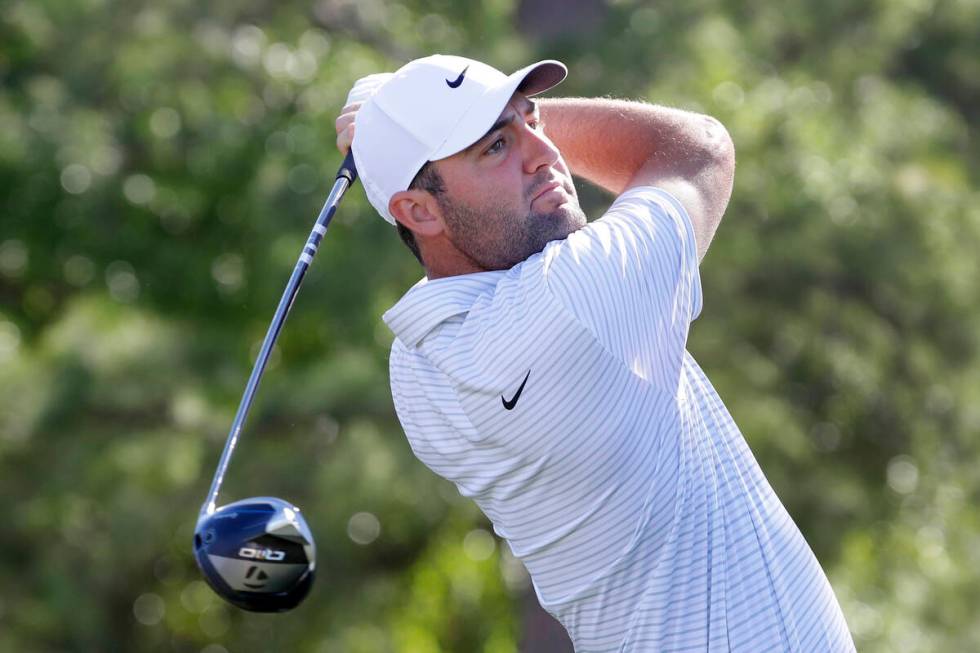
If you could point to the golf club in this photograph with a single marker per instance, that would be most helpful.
(259, 553)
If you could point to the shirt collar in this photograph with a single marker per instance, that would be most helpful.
(428, 303)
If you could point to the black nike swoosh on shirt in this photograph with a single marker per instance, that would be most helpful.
(509, 405)
(459, 80)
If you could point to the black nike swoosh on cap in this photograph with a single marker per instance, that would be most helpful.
(459, 80)
(509, 405)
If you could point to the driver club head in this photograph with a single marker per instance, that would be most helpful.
(257, 554)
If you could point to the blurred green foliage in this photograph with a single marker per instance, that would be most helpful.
(161, 164)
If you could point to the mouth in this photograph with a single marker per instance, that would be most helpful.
(547, 188)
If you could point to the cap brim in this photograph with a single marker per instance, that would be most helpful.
(530, 80)
(540, 76)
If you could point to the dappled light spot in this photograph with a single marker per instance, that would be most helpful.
(149, 609)
(228, 271)
(165, 123)
(327, 428)
(513, 571)
(9, 339)
(903, 474)
(932, 544)
(189, 408)
(105, 159)
(139, 189)
(120, 278)
(826, 436)
(13, 258)
(302, 66)
(197, 596)
(76, 178)
(277, 59)
(729, 95)
(363, 528)
(479, 545)
(315, 42)
(247, 45)
(79, 270)
(864, 620)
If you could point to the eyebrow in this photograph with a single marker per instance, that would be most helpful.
(528, 106)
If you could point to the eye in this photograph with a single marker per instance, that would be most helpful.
(535, 124)
(497, 146)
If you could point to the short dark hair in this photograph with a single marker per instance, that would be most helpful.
(427, 179)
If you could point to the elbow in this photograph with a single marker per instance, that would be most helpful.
(719, 159)
(710, 160)
(716, 178)
(726, 154)
(718, 145)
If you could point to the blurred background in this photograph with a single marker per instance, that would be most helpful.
(161, 164)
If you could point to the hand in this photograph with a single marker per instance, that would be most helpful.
(345, 126)
(363, 89)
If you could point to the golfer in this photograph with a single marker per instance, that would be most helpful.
(540, 364)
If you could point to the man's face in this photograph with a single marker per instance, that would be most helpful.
(510, 193)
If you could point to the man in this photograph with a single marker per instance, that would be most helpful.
(541, 366)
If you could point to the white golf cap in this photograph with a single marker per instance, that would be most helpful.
(429, 109)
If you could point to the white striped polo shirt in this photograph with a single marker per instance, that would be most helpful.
(560, 397)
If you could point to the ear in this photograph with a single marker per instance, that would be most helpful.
(418, 210)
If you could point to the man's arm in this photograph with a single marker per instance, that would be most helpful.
(618, 145)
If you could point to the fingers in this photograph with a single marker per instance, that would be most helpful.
(351, 108)
(345, 138)
(345, 126)
(346, 117)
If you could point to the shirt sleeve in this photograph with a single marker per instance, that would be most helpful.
(631, 278)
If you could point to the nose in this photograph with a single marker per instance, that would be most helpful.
(538, 150)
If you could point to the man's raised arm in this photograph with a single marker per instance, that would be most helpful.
(618, 145)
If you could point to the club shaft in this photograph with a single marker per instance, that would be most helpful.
(345, 177)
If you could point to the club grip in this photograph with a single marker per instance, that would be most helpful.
(347, 169)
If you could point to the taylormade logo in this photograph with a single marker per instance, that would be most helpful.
(261, 554)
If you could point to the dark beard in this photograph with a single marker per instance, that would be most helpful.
(470, 228)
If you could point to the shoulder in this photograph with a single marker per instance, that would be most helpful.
(631, 277)
(645, 231)
(643, 199)
(644, 214)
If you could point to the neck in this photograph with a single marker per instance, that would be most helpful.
(443, 259)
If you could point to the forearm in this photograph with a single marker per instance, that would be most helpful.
(609, 142)
(619, 145)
